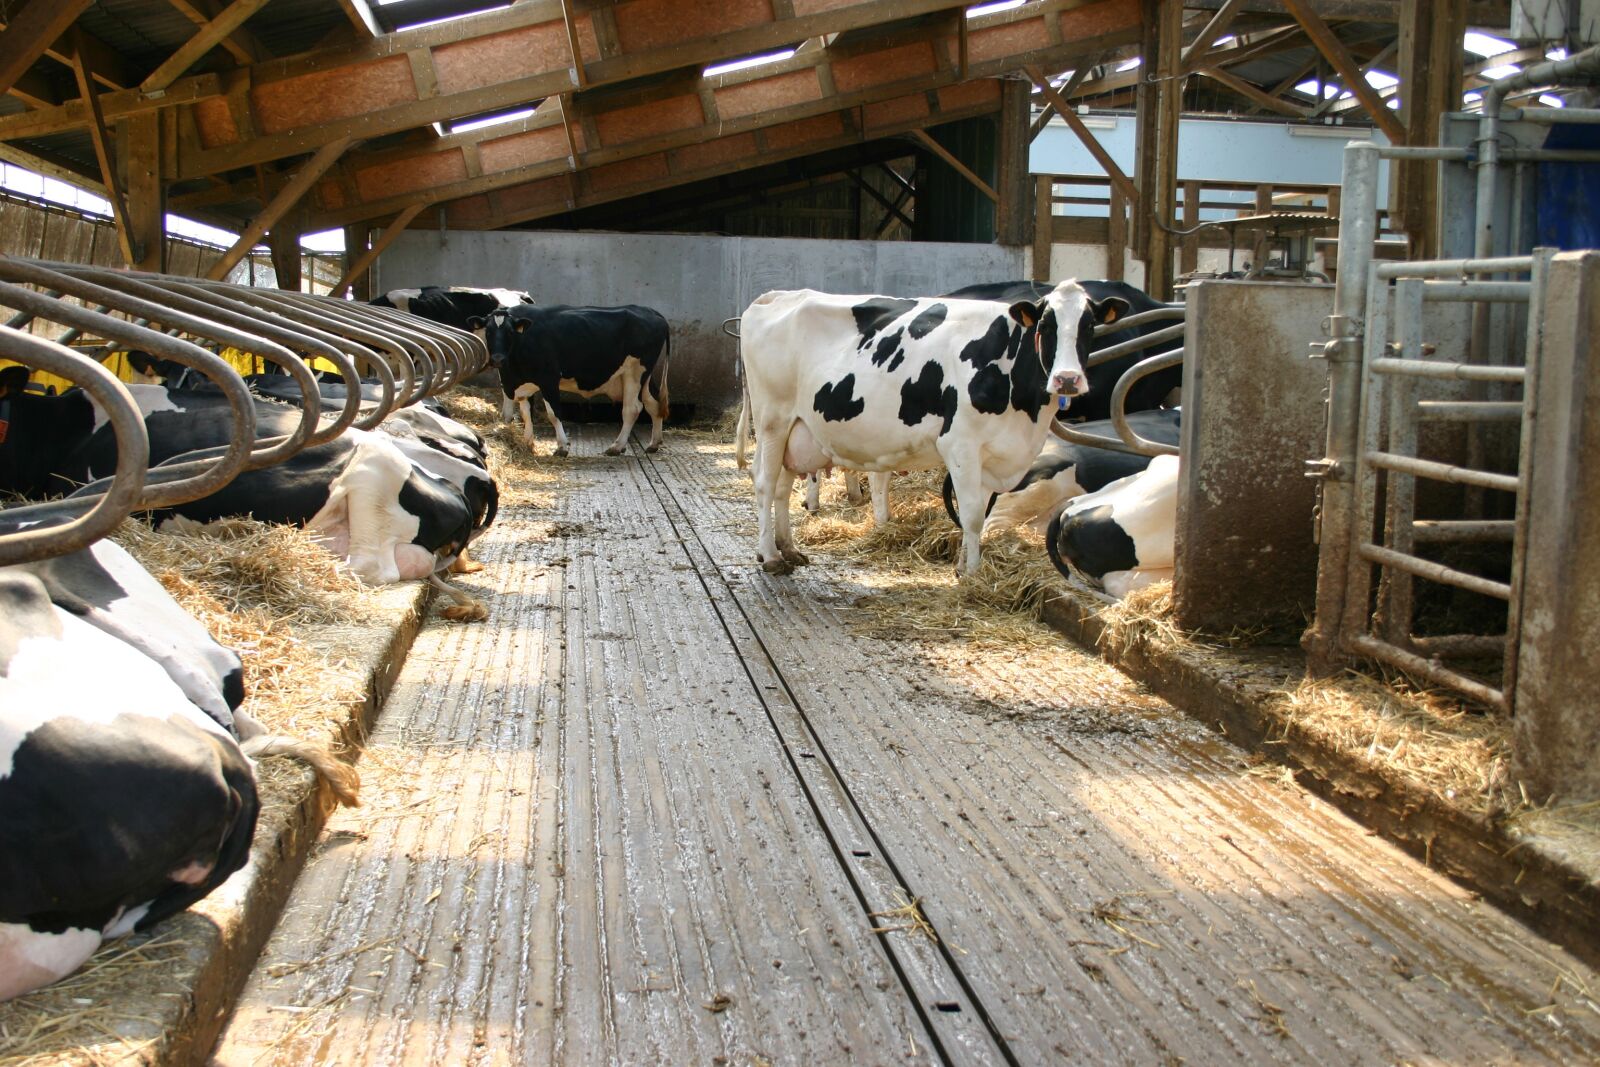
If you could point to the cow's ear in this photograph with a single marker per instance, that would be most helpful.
(477, 322)
(1110, 309)
(520, 325)
(1026, 312)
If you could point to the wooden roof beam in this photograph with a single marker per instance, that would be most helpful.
(132, 249)
(1209, 34)
(631, 126)
(394, 229)
(278, 207)
(241, 44)
(209, 36)
(1257, 96)
(357, 68)
(1331, 47)
(1101, 156)
(75, 114)
(31, 33)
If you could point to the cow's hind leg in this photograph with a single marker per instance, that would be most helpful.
(465, 608)
(652, 407)
(852, 488)
(562, 448)
(813, 491)
(631, 405)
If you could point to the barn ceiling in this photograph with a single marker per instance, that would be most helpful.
(351, 111)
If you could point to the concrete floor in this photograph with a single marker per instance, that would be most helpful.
(664, 808)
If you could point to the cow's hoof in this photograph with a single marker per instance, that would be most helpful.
(471, 611)
(563, 451)
(777, 566)
(463, 565)
(653, 448)
(796, 557)
(614, 450)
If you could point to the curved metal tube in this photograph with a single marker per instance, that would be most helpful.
(271, 450)
(1166, 313)
(133, 454)
(199, 478)
(1105, 355)
(406, 353)
(469, 354)
(1119, 399)
(393, 322)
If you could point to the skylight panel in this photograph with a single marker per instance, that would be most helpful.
(747, 62)
(449, 18)
(989, 9)
(1129, 65)
(1494, 74)
(1482, 44)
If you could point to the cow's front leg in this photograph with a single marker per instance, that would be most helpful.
(765, 472)
(966, 474)
(852, 488)
(631, 404)
(527, 421)
(879, 483)
(652, 407)
(560, 430)
(813, 491)
(785, 530)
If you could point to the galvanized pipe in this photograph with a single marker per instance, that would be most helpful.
(1554, 116)
(1427, 670)
(1358, 215)
(1119, 403)
(1461, 645)
(1443, 472)
(1132, 322)
(1105, 355)
(200, 478)
(1468, 411)
(133, 454)
(424, 351)
(1453, 268)
(1434, 572)
(1462, 531)
(1074, 436)
(1470, 372)
(1472, 292)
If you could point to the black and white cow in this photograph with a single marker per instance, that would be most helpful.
(463, 307)
(1121, 538)
(1063, 471)
(881, 383)
(1152, 391)
(126, 789)
(620, 353)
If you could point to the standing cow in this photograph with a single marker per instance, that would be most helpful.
(881, 383)
(619, 353)
(459, 306)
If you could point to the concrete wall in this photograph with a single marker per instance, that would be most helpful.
(695, 281)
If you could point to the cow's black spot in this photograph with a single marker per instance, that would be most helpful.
(1096, 544)
(887, 347)
(949, 401)
(921, 397)
(992, 346)
(876, 314)
(990, 390)
(835, 401)
(927, 321)
(894, 364)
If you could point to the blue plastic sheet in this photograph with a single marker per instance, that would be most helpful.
(1569, 193)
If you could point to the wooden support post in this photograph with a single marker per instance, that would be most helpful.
(1160, 200)
(1189, 261)
(1431, 32)
(1147, 101)
(284, 243)
(30, 32)
(955, 164)
(356, 281)
(1013, 217)
(1043, 224)
(101, 139)
(147, 195)
(278, 207)
(358, 269)
(1330, 46)
(1057, 99)
(1117, 237)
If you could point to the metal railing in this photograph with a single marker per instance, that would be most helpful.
(182, 319)
(1378, 362)
(1127, 439)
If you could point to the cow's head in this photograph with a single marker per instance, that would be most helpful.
(1067, 303)
(500, 332)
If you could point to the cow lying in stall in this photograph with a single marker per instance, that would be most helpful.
(620, 353)
(881, 383)
(1120, 538)
(1064, 470)
(404, 501)
(127, 792)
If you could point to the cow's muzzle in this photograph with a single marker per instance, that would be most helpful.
(1069, 383)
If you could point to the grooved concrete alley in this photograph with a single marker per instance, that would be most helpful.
(664, 808)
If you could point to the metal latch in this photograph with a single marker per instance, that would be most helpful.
(1324, 469)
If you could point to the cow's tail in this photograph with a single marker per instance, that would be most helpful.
(656, 381)
(741, 435)
(340, 776)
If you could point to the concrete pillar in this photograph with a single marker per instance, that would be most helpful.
(1556, 593)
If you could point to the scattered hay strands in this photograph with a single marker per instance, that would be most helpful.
(524, 480)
